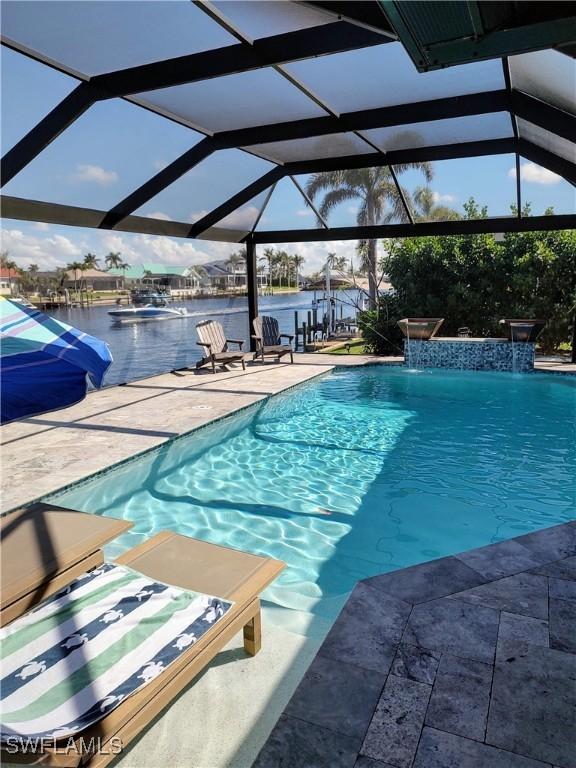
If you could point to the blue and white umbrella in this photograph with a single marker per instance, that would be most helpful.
(44, 363)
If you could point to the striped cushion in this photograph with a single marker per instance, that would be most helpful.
(74, 658)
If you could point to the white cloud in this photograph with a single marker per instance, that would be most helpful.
(41, 226)
(242, 218)
(353, 209)
(305, 212)
(531, 172)
(47, 252)
(94, 174)
(158, 215)
(197, 215)
(26, 245)
(438, 198)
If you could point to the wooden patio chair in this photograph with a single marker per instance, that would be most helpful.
(212, 338)
(269, 339)
(168, 558)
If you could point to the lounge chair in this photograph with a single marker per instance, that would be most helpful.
(235, 577)
(212, 338)
(269, 339)
(71, 544)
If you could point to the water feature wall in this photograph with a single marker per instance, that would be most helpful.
(470, 354)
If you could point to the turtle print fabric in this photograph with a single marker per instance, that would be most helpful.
(74, 658)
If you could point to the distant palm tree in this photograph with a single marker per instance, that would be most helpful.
(235, 259)
(33, 275)
(113, 260)
(76, 267)
(269, 256)
(91, 261)
(427, 209)
(298, 261)
(380, 201)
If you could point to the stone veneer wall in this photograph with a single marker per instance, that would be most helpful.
(470, 355)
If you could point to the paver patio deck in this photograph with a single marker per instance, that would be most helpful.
(45, 453)
(466, 662)
(463, 662)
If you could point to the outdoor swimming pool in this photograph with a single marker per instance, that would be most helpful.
(356, 473)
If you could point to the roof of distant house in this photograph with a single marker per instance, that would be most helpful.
(5, 273)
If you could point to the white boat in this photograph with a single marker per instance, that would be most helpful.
(149, 312)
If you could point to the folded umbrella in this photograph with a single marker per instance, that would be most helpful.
(44, 363)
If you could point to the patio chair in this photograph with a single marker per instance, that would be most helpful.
(212, 338)
(269, 339)
(179, 641)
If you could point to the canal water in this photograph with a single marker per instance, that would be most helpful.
(147, 348)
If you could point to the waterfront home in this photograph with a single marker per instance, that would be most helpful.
(9, 282)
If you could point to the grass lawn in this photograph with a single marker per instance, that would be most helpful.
(356, 348)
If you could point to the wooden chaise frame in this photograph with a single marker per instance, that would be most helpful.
(191, 564)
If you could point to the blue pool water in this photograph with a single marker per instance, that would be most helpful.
(357, 473)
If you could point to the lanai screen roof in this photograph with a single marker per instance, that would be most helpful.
(260, 94)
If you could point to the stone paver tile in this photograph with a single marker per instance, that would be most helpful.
(501, 559)
(297, 744)
(524, 593)
(532, 705)
(367, 762)
(445, 750)
(563, 625)
(427, 581)
(561, 569)
(460, 697)
(337, 696)
(563, 589)
(395, 728)
(367, 630)
(415, 663)
(514, 627)
(453, 626)
(553, 543)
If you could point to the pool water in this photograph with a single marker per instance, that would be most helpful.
(359, 472)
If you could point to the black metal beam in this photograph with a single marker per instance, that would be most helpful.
(543, 115)
(49, 128)
(163, 178)
(263, 207)
(370, 160)
(306, 197)
(381, 117)
(252, 285)
(52, 213)
(421, 229)
(267, 51)
(402, 156)
(237, 200)
(548, 160)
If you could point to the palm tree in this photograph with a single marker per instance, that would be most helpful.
(426, 208)
(113, 260)
(76, 266)
(268, 257)
(91, 261)
(298, 261)
(33, 275)
(380, 201)
(235, 259)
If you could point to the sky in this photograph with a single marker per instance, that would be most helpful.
(116, 146)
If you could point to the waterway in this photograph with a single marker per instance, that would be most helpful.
(147, 348)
